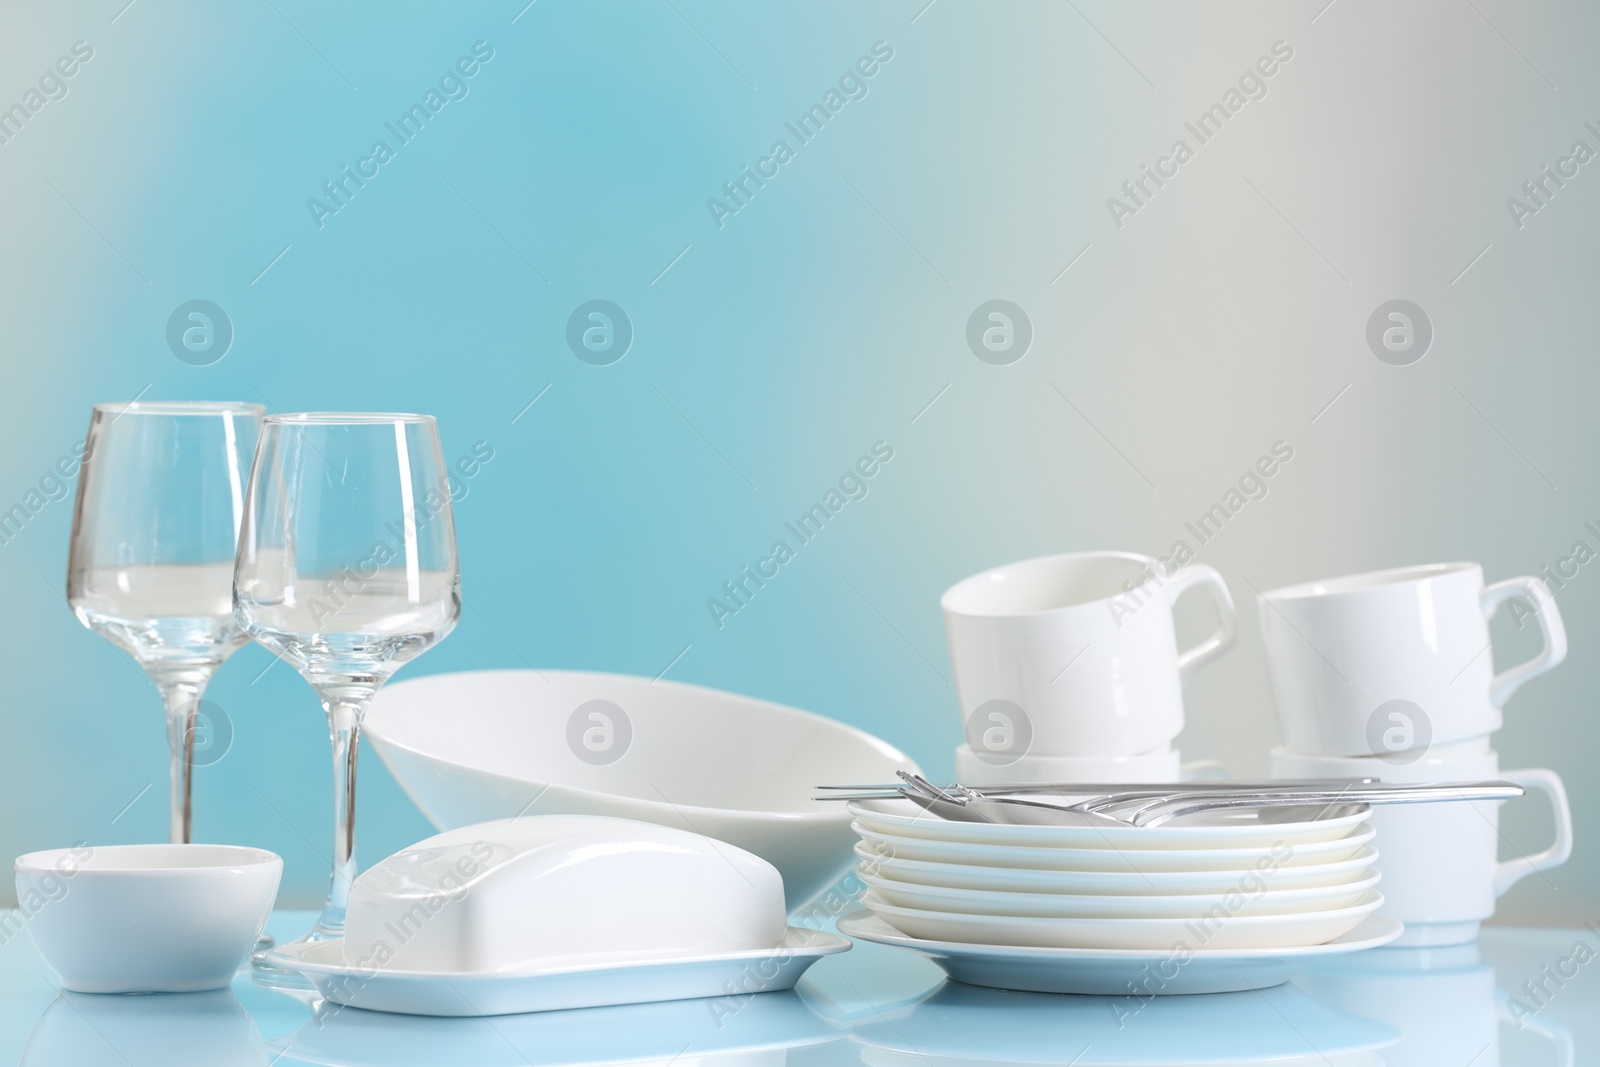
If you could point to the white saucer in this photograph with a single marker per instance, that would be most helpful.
(1121, 972)
(554, 988)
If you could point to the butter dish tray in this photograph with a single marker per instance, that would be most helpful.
(555, 988)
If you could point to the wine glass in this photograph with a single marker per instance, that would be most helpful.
(347, 569)
(160, 500)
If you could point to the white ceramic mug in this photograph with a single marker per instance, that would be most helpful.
(1391, 662)
(1162, 766)
(1440, 874)
(1075, 655)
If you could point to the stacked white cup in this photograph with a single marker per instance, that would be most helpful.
(1067, 668)
(1390, 675)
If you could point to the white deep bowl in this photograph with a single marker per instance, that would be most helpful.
(483, 745)
(146, 918)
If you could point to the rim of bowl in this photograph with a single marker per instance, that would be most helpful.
(831, 812)
(55, 860)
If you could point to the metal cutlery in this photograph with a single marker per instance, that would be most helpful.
(1152, 806)
(882, 791)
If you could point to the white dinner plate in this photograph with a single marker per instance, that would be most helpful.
(1222, 930)
(1120, 883)
(1258, 895)
(1112, 971)
(1242, 828)
(1106, 859)
(553, 988)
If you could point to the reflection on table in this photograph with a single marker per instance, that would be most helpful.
(874, 1005)
(1444, 1000)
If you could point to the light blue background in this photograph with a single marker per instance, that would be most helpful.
(825, 316)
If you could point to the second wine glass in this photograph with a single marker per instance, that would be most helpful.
(346, 570)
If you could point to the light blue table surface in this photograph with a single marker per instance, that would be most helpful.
(880, 1006)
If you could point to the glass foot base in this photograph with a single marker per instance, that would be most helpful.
(285, 981)
(265, 972)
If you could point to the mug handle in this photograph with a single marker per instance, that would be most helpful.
(1555, 634)
(1509, 872)
(1190, 662)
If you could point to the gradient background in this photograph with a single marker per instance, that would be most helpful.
(1228, 314)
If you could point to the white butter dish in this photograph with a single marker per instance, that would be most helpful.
(561, 890)
(559, 911)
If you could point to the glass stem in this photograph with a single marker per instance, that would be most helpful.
(182, 698)
(345, 710)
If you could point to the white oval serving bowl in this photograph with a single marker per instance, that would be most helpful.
(482, 745)
(146, 918)
(1241, 828)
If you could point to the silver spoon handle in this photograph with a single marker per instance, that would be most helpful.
(1106, 788)
(1154, 812)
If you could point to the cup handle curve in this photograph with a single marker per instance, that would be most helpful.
(1508, 873)
(1191, 660)
(1548, 616)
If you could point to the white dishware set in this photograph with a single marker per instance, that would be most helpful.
(610, 840)
(1068, 673)
(1390, 675)
(335, 549)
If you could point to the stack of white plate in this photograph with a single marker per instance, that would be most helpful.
(1251, 878)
